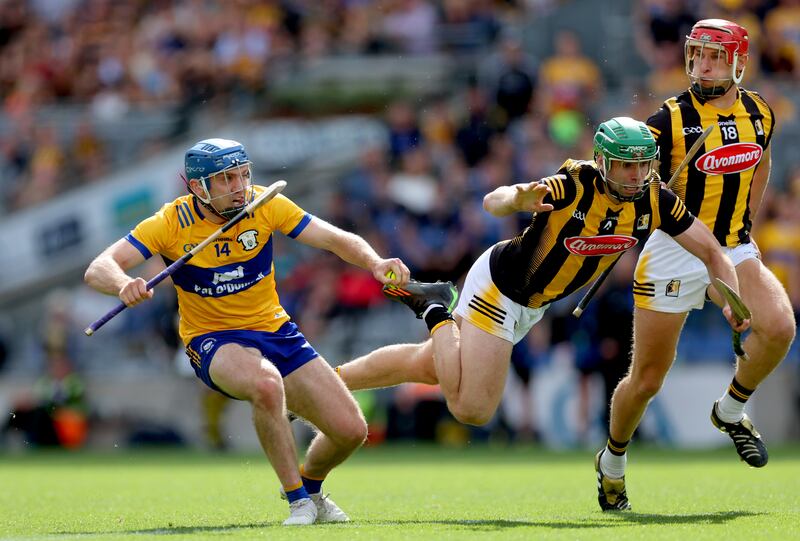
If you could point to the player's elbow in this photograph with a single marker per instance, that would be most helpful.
(487, 202)
(90, 277)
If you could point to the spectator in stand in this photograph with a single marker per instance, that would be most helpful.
(410, 26)
(778, 239)
(54, 412)
(781, 24)
(473, 135)
(569, 79)
(510, 77)
(467, 26)
(88, 153)
(46, 166)
(665, 22)
(404, 131)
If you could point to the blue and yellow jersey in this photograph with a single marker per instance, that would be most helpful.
(230, 285)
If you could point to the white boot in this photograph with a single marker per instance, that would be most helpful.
(327, 510)
(302, 512)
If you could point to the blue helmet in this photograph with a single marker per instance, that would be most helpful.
(210, 157)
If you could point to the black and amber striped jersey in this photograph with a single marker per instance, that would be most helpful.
(562, 250)
(715, 185)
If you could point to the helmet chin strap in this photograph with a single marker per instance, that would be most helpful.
(623, 198)
(226, 214)
(713, 92)
(209, 207)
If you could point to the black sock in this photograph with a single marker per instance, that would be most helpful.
(738, 392)
(436, 315)
(617, 447)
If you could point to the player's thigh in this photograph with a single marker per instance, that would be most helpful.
(484, 366)
(764, 296)
(655, 341)
(317, 394)
(238, 370)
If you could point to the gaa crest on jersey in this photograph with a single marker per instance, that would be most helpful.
(727, 159)
(673, 288)
(600, 245)
(643, 222)
(248, 239)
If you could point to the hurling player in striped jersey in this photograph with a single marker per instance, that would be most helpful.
(723, 187)
(583, 217)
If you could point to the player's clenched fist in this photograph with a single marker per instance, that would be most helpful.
(134, 292)
(391, 271)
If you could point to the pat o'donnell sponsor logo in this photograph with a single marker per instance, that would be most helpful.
(733, 158)
(600, 245)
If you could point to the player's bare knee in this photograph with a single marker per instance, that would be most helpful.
(470, 414)
(350, 433)
(647, 385)
(779, 329)
(356, 433)
(268, 392)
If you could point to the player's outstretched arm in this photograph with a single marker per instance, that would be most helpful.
(526, 197)
(700, 242)
(106, 273)
(354, 249)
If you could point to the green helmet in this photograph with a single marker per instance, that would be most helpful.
(629, 153)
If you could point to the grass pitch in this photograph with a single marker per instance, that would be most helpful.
(401, 493)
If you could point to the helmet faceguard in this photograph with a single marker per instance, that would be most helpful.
(629, 153)
(722, 43)
(223, 172)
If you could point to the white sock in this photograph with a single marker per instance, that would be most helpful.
(613, 466)
(729, 409)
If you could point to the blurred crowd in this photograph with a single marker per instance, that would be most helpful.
(112, 58)
(117, 57)
(517, 116)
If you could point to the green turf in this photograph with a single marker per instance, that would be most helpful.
(401, 493)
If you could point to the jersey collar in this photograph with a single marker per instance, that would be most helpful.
(197, 208)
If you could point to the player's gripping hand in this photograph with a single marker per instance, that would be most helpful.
(135, 291)
(529, 197)
(736, 324)
(391, 272)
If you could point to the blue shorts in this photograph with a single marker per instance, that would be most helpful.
(285, 348)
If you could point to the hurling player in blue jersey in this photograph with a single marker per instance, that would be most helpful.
(238, 338)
